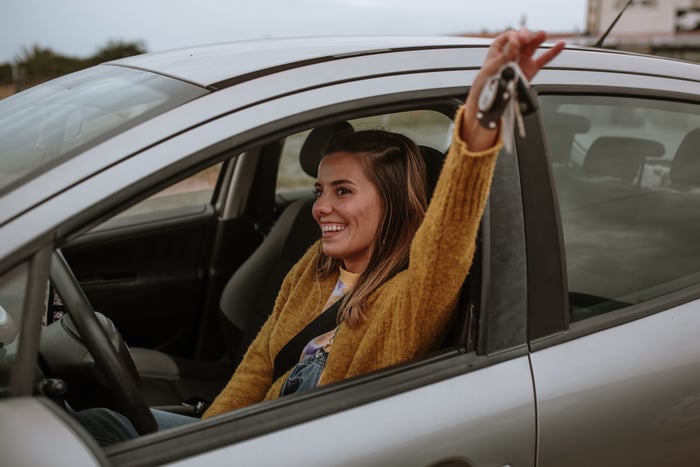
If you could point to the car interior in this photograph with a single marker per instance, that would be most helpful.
(186, 381)
(627, 190)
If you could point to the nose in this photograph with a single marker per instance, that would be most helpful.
(321, 207)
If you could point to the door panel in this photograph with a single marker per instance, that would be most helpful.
(148, 276)
(629, 395)
(483, 418)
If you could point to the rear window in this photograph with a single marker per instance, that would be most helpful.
(627, 174)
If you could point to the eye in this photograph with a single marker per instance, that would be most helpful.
(317, 192)
(340, 191)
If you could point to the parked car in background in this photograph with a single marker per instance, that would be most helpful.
(150, 206)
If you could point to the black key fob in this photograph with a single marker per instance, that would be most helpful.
(495, 97)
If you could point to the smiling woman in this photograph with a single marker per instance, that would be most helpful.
(348, 209)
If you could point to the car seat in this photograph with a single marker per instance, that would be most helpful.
(561, 129)
(685, 167)
(620, 157)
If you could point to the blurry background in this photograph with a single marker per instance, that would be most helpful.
(42, 39)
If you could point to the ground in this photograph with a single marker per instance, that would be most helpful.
(6, 90)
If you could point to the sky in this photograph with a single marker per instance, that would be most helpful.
(78, 28)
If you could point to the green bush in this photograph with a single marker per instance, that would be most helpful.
(36, 63)
(5, 73)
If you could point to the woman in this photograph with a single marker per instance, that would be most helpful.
(395, 267)
(378, 254)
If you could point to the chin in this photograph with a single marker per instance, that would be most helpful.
(331, 252)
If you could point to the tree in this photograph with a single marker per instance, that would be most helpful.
(36, 63)
(114, 50)
(5, 73)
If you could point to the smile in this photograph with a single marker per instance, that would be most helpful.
(332, 228)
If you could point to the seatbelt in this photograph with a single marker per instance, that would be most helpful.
(288, 356)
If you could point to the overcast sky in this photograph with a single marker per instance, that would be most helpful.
(79, 27)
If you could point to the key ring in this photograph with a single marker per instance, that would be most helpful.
(507, 94)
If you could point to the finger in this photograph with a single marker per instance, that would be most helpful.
(549, 54)
(501, 44)
(532, 43)
(511, 49)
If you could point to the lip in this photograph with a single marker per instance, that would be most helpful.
(332, 228)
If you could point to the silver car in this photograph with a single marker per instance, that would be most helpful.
(150, 207)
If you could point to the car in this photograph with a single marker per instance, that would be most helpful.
(150, 206)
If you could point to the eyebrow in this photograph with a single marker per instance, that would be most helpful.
(342, 181)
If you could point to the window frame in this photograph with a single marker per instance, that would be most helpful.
(25, 365)
(444, 364)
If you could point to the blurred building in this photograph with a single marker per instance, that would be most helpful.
(661, 27)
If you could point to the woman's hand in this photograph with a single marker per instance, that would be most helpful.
(510, 46)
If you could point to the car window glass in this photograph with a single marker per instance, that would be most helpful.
(13, 285)
(43, 126)
(627, 174)
(196, 190)
(425, 127)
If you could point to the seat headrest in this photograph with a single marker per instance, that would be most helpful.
(314, 146)
(619, 156)
(561, 129)
(685, 167)
(316, 142)
(433, 166)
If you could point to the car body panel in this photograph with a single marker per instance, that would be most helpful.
(212, 64)
(631, 391)
(23, 445)
(385, 432)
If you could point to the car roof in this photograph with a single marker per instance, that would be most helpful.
(218, 66)
(221, 65)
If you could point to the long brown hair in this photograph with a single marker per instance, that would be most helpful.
(394, 164)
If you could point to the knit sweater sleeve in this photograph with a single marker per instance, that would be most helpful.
(252, 379)
(443, 247)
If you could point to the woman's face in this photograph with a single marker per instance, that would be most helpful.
(348, 209)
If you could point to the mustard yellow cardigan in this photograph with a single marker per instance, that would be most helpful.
(405, 316)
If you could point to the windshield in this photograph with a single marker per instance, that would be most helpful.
(49, 123)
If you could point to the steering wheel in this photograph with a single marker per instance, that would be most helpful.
(113, 365)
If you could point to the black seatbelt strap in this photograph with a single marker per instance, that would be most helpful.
(289, 355)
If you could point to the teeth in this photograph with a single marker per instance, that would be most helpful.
(332, 228)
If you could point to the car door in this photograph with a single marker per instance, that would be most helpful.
(617, 374)
(460, 406)
(467, 404)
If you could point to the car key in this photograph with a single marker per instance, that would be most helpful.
(507, 94)
(495, 97)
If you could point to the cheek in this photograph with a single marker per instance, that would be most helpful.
(376, 217)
